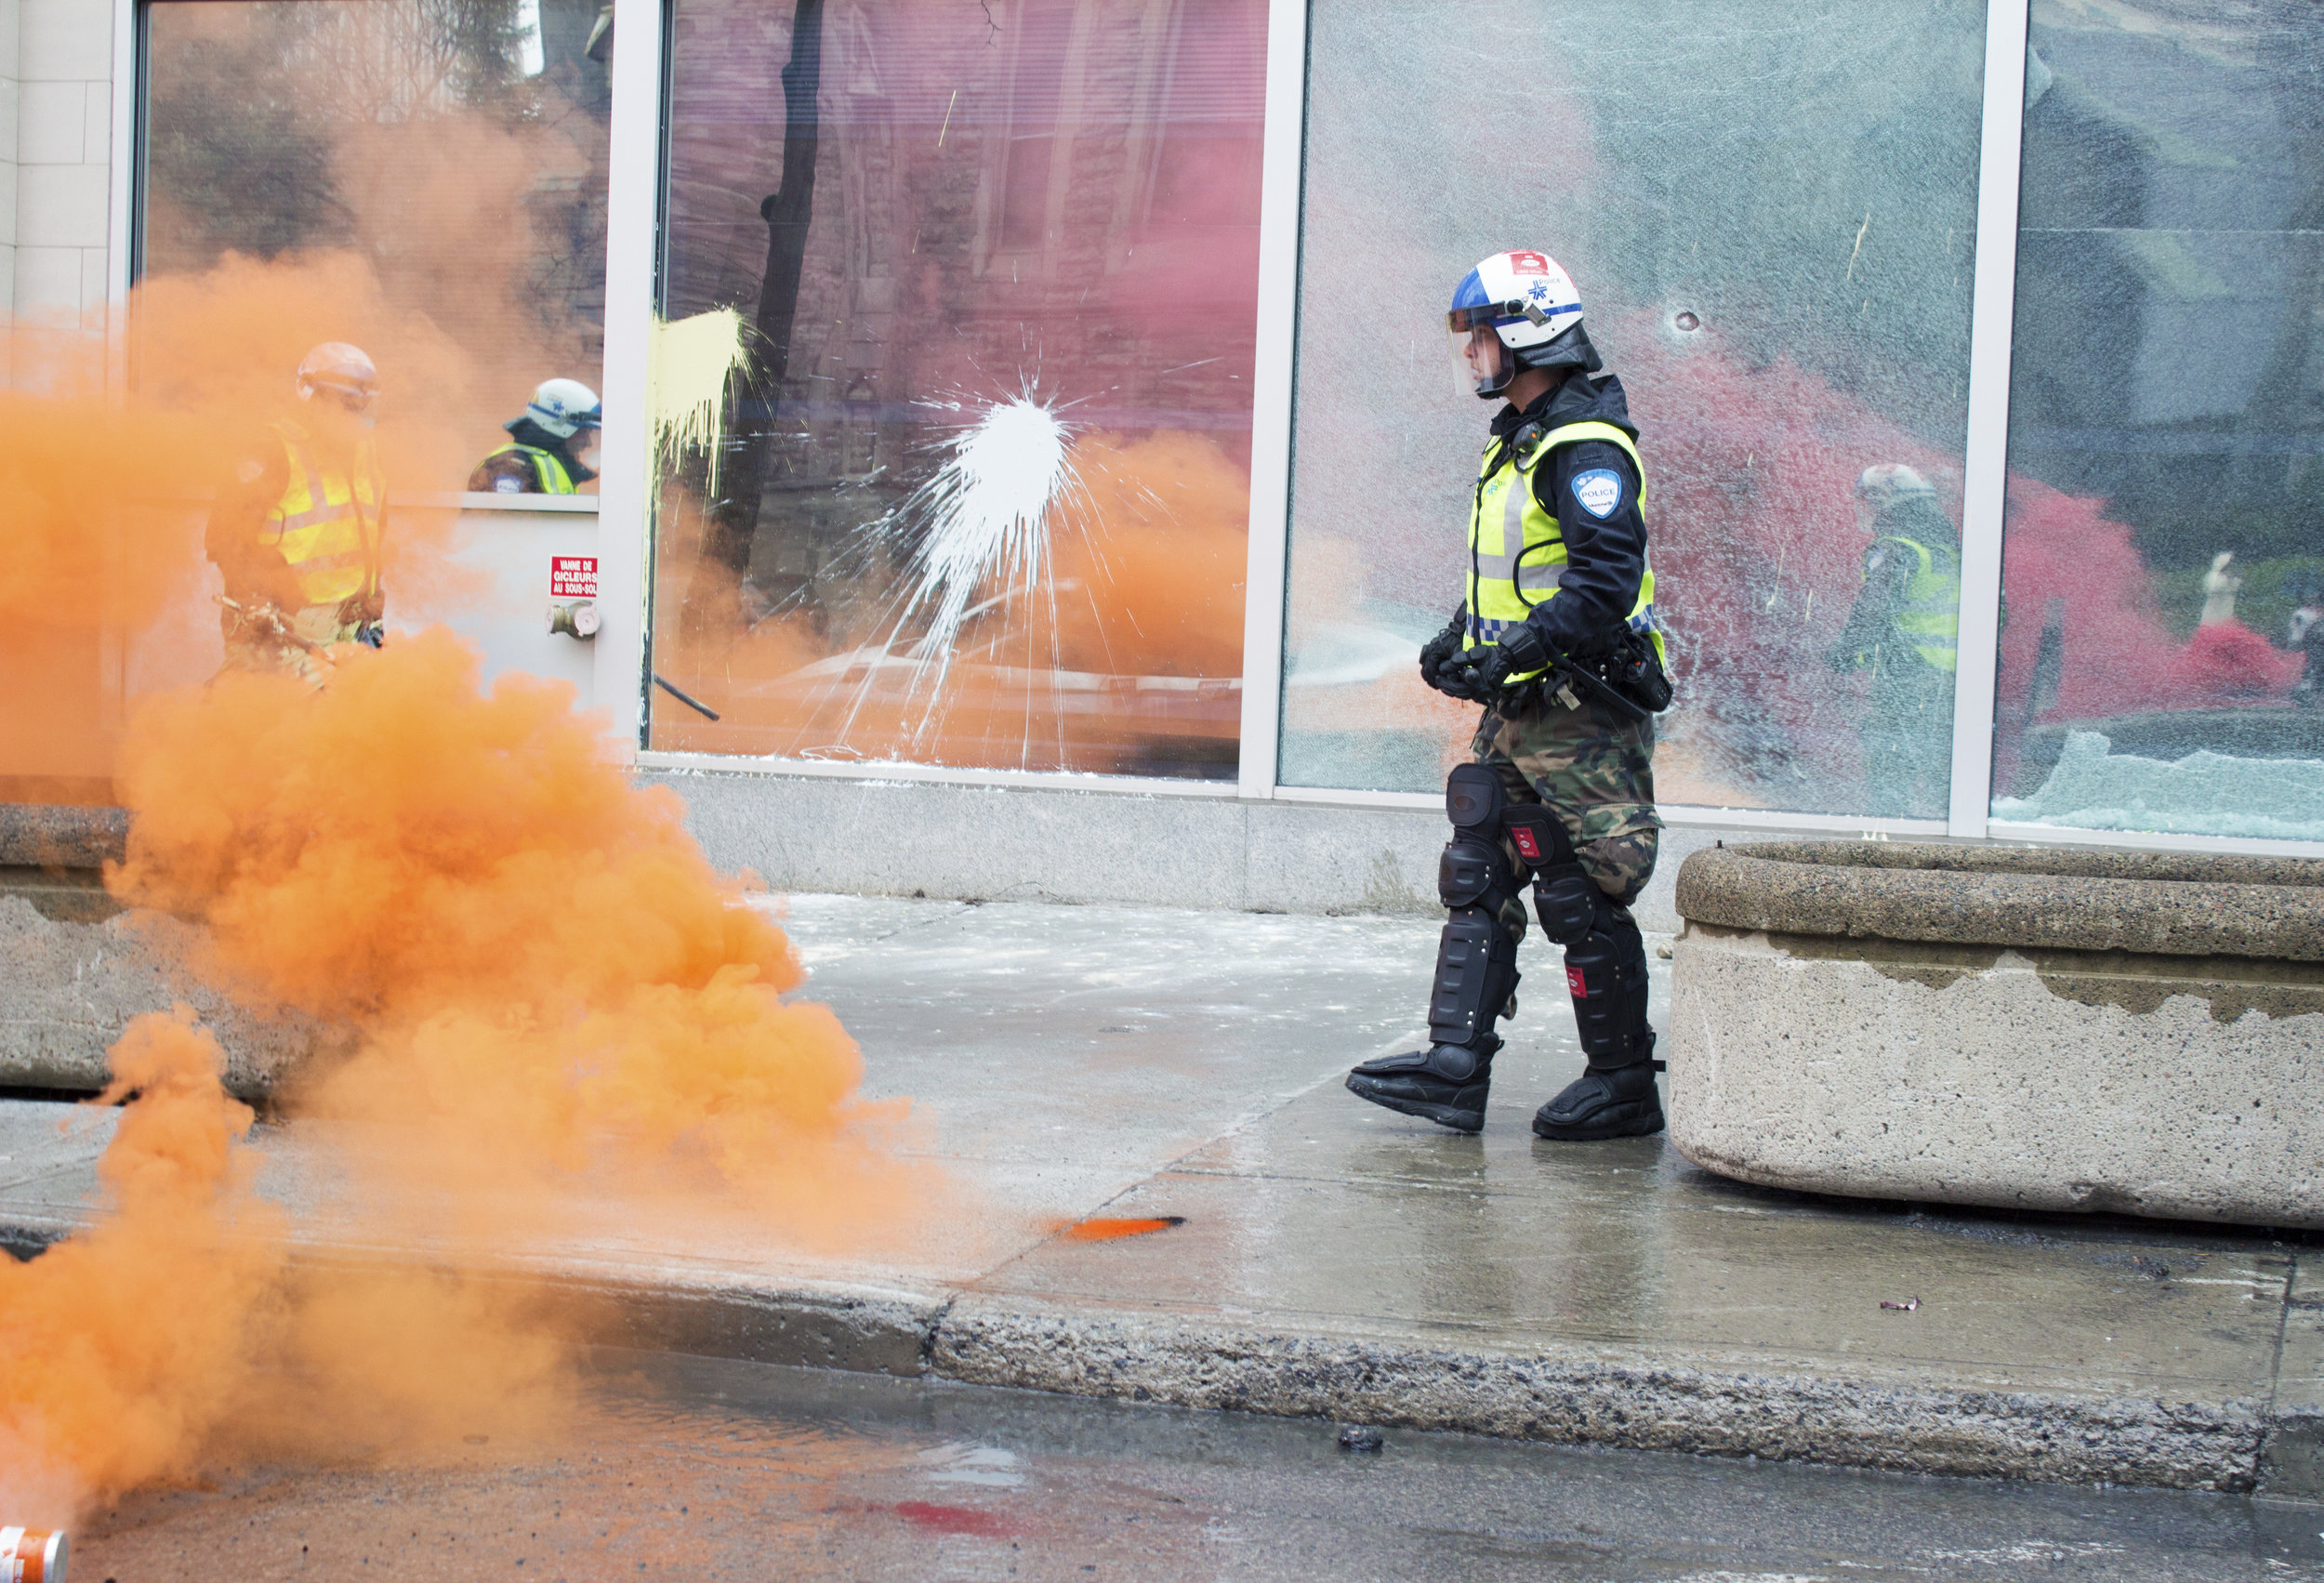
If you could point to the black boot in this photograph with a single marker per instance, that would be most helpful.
(1617, 1101)
(1445, 1084)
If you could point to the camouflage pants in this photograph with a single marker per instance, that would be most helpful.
(249, 647)
(1594, 772)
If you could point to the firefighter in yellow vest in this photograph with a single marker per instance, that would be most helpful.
(298, 527)
(1556, 637)
(549, 445)
(1904, 629)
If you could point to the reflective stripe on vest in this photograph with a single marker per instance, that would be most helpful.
(547, 469)
(1930, 618)
(1516, 550)
(327, 524)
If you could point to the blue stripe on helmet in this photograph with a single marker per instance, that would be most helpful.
(1547, 313)
(1470, 292)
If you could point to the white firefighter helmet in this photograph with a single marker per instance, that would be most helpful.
(563, 407)
(1525, 301)
(1888, 483)
(347, 371)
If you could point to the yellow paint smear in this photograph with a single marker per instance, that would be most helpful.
(686, 395)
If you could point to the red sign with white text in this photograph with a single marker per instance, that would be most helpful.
(572, 576)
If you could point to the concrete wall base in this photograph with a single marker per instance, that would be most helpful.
(2170, 1086)
(1018, 843)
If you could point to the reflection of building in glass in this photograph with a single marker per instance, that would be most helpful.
(1060, 200)
(2168, 395)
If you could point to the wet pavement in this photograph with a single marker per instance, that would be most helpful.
(1335, 1258)
(703, 1469)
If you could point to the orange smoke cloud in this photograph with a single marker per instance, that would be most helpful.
(538, 963)
(122, 1348)
(104, 586)
(549, 995)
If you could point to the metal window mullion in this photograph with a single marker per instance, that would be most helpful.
(1266, 570)
(1984, 474)
(122, 196)
(633, 201)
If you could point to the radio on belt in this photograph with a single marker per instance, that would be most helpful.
(572, 578)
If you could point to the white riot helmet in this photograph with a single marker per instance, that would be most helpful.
(1890, 483)
(345, 371)
(1516, 310)
(563, 407)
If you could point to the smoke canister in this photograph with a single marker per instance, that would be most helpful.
(32, 1555)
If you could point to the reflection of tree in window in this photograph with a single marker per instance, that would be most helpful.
(280, 125)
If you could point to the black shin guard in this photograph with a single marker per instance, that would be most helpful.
(1476, 974)
(1476, 970)
(1606, 970)
(1476, 960)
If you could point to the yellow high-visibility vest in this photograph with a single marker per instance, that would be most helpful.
(328, 524)
(1930, 618)
(1516, 550)
(551, 472)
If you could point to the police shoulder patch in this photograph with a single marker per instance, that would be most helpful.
(1599, 490)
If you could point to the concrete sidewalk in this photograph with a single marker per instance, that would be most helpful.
(1339, 1261)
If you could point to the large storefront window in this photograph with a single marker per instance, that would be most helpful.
(424, 180)
(1769, 213)
(982, 491)
(2164, 567)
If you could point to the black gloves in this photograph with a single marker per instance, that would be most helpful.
(1444, 647)
(1519, 651)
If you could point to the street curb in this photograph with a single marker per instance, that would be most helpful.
(1575, 1395)
(1567, 1395)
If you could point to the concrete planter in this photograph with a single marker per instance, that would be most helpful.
(75, 969)
(2035, 1029)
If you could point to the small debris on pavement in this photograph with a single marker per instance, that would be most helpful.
(2154, 1269)
(1105, 1229)
(1905, 1307)
(1360, 1437)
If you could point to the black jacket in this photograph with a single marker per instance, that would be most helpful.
(1605, 556)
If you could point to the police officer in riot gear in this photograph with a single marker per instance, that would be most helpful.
(1557, 640)
(549, 446)
(1905, 629)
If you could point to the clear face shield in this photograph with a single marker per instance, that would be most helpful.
(1486, 365)
(585, 449)
(341, 405)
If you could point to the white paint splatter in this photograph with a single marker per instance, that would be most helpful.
(976, 537)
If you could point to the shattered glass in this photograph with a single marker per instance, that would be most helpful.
(982, 490)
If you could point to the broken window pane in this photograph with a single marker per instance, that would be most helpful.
(2163, 565)
(1769, 211)
(974, 311)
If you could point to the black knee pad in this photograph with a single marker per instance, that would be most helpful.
(1473, 799)
(1565, 899)
(1474, 872)
(1568, 903)
(1605, 972)
(1476, 972)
